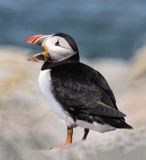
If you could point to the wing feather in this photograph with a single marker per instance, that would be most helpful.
(81, 89)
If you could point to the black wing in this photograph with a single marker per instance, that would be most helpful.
(81, 89)
(104, 85)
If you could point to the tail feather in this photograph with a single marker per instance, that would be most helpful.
(117, 123)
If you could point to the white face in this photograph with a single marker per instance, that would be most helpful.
(58, 48)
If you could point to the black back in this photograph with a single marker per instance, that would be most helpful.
(85, 94)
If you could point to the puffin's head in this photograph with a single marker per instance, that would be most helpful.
(57, 48)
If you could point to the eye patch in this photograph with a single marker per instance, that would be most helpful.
(57, 43)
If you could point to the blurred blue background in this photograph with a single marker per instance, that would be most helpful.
(101, 28)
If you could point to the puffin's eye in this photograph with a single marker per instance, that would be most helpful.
(57, 43)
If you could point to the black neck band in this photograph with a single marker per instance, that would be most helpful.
(51, 64)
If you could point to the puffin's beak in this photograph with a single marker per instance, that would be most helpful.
(38, 40)
(37, 58)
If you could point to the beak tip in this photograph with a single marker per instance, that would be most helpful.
(33, 39)
(31, 59)
(35, 59)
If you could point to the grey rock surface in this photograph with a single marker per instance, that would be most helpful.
(28, 128)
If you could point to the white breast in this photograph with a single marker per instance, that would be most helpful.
(44, 81)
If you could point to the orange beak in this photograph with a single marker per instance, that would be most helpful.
(38, 40)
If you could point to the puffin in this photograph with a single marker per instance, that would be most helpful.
(79, 94)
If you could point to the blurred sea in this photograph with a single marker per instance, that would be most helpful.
(101, 28)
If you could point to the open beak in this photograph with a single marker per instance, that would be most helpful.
(37, 58)
(38, 40)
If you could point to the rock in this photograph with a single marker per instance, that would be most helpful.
(29, 128)
(139, 64)
(120, 144)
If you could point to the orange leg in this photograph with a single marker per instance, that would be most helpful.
(86, 131)
(68, 138)
(69, 135)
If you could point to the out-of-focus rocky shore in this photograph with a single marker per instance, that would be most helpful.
(29, 128)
